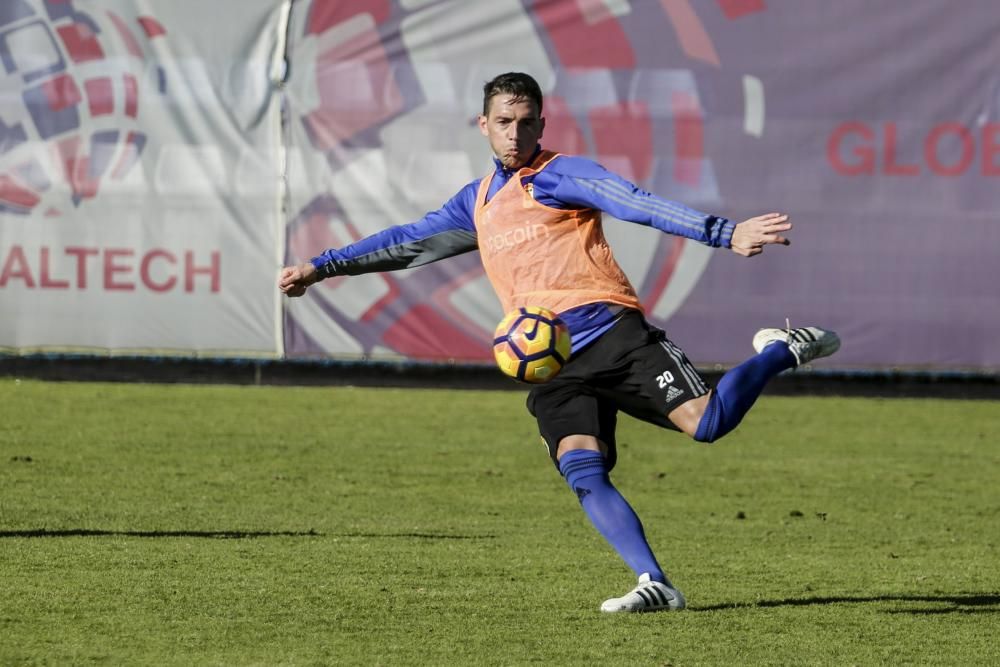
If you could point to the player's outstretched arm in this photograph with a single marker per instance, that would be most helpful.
(750, 236)
(440, 234)
(294, 280)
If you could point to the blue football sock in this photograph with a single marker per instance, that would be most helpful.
(738, 390)
(607, 509)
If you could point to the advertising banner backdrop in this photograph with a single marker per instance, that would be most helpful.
(886, 154)
(160, 161)
(389, 93)
(139, 177)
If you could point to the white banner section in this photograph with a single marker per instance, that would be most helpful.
(140, 182)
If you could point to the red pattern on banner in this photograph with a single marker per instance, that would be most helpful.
(582, 41)
(131, 43)
(654, 288)
(383, 302)
(423, 333)
(131, 95)
(151, 26)
(129, 156)
(61, 92)
(734, 9)
(441, 298)
(81, 42)
(324, 14)
(67, 154)
(624, 130)
(689, 141)
(562, 132)
(100, 96)
(12, 192)
(690, 31)
(75, 169)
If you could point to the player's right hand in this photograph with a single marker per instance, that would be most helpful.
(295, 280)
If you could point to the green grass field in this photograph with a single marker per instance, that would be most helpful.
(181, 525)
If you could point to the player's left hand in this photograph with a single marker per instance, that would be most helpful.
(750, 236)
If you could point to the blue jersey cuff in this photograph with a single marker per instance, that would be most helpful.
(322, 266)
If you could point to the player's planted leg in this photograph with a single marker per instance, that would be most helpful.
(586, 473)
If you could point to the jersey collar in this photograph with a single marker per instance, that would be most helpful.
(507, 173)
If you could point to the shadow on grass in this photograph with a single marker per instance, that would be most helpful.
(213, 534)
(227, 534)
(963, 603)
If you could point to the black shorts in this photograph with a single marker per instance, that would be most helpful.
(633, 368)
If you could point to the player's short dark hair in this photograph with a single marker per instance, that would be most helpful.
(518, 85)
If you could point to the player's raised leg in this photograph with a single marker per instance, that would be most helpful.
(777, 350)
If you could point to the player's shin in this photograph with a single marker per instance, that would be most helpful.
(608, 511)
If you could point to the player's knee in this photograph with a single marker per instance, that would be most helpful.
(575, 442)
(707, 436)
(703, 421)
(688, 415)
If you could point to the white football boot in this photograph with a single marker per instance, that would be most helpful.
(649, 595)
(805, 343)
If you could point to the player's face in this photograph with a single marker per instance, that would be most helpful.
(513, 128)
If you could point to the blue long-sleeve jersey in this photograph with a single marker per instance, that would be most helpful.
(567, 182)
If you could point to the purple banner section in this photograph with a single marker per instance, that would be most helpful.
(885, 152)
(887, 155)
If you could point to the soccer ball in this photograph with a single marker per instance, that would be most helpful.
(531, 344)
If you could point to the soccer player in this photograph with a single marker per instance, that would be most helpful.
(536, 221)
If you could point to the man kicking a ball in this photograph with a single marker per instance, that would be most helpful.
(620, 362)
